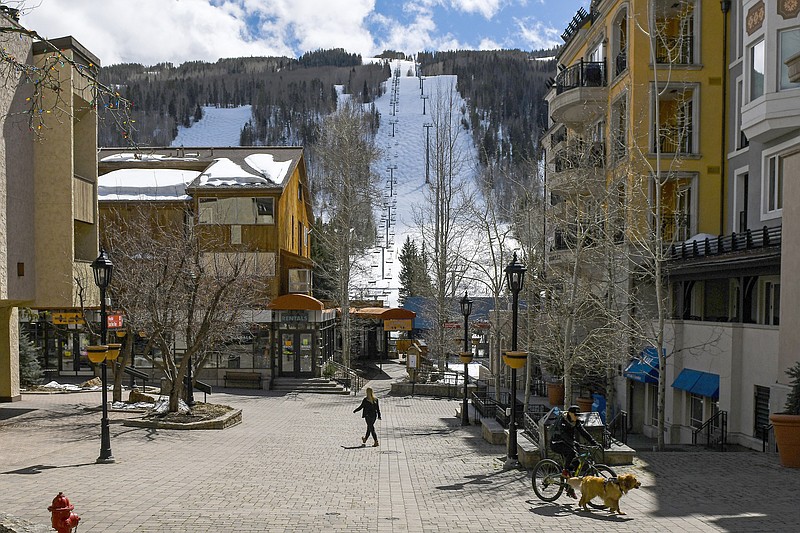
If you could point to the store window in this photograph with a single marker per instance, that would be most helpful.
(695, 411)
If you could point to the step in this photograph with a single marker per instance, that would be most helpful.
(309, 385)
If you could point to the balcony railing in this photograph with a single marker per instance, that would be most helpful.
(735, 242)
(582, 74)
(675, 227)
(592, 232)
(677, 50)
(580, 155)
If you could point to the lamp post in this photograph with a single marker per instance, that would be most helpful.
(103, 269)
(466, 355)
(515, 277)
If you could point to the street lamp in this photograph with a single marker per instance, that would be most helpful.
(466, 355)
(515, 277)
(103, 269)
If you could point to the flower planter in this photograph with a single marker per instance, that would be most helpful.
(555, 394)
(787, 436)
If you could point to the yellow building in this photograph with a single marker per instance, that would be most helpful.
(638, 99)
(250, 201)
(48, 177)
(635, 157)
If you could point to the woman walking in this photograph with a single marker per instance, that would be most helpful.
(371, 411)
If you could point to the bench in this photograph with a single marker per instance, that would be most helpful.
(243, 380)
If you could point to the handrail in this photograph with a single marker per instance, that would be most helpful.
(717, 426)
(345, 376)
(617, 429)
(484, 404)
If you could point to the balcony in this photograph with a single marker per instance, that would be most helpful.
(771, 116)
(581, 94)
(676, 50)
(578, 167)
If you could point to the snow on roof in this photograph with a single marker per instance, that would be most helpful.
(268, 167)
(145, 184)
(224, 172)
(137, 156)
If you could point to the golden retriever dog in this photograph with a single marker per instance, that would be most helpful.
(609, 490)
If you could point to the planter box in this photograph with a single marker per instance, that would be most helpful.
(787, 436)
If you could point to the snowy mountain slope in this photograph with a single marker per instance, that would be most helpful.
(405, 109)
(401, 137)
(219, 127)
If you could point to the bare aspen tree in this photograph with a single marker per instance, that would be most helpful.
(180, 287)
(346, 197)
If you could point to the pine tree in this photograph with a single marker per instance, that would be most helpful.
(30, 372)
(409, 255)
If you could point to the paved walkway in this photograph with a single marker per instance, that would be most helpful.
(296, 464)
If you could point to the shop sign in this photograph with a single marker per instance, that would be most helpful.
(452, 325)
(114, 321)
(397, 324)
(403, 345)
(294, 316)
(64, 319)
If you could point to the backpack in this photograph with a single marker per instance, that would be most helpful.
(556, 430)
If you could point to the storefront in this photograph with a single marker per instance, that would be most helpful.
(375, 324)
(302, 333)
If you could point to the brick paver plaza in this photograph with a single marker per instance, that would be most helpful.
(296, 464)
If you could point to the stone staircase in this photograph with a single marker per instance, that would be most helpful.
(308, 385)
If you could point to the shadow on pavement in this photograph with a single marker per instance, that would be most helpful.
(38, 469)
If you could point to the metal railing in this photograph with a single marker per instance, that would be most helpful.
(677, 50)
(503, 404)
(715, 430)
(484, 403)
(735, 242)
(581, 74)
(345, 376)
(616, 430)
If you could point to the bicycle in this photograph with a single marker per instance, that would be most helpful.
(548, 483)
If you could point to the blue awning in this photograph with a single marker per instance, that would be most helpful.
(697, 382)
(644, 368)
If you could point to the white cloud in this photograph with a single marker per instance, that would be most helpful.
(538, 35)
(487, 8)
(489, 44)
(151, 31)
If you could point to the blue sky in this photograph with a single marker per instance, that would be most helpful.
(153, 31)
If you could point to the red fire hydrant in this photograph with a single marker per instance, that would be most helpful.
(63, 519)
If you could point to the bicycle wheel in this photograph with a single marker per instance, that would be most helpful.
(599, 470)
(547, 481)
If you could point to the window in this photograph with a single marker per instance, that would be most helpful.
(741, 138)
(619, 132)
(757, 70)
(674, 130)
(789, 43)
(770, 308)
(774, 185)
(652, 395)
(695, 411)
(620, 43)
(300, 280)
(760, 411)
(265, 210)
(238, 210)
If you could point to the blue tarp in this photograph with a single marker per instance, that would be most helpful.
(644, 368)
(697, 382)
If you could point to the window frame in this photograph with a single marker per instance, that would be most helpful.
(751, 49)
(783, 68)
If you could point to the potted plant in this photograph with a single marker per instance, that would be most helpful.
(787, 423)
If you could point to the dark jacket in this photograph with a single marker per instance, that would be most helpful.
(371, 410)
(565, 432)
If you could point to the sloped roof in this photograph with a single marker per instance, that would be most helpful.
(129, 184)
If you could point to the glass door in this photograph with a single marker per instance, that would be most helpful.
(297, 354)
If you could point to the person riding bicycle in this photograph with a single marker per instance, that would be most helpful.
(563, 439)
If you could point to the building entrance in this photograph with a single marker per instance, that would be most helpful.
(297, 354)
